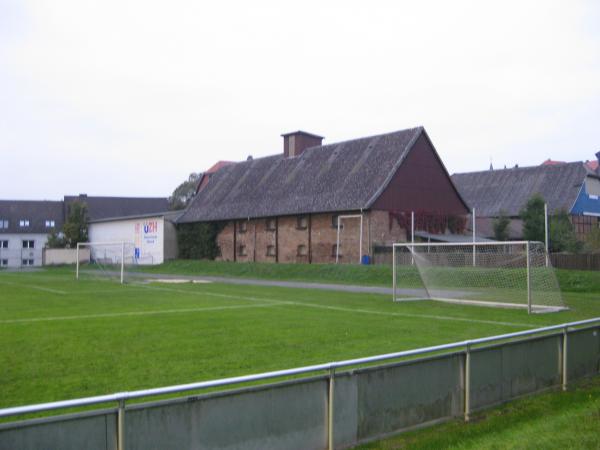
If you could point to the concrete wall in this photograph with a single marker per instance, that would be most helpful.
(57, 256)
(14, 255)
(368, 403)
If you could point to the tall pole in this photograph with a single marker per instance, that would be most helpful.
(122, 262)
(337, 246)
(360, 239)
(77, 263)
(412, 236)
(546, 232)
(474, 240)
(528, 279)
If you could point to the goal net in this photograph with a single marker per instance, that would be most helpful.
(502, 274)
(104, 259)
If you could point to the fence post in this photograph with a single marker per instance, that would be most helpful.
(121, 425)
(467, 382)
(330, 409)
(564, 359)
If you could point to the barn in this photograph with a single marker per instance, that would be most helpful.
(286, 207)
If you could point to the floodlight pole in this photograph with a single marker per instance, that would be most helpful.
(546, 232)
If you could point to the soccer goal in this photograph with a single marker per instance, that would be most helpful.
(106, 259)
(514, 274)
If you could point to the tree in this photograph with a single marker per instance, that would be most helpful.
(533, 219)
(592, 241)
(562, 234)
(500, 225)
(183, 194)
(56, 239)
(75, 228)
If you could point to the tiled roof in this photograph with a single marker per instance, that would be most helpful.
(344, 176)
(508, 190)
(37, 212)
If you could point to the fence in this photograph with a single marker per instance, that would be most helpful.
(330, 409)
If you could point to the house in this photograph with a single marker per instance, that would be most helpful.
(26, 224)
(24, 229)
(286, 207)
(573, 187)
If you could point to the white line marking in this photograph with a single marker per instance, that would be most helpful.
(135, 313)
(37, 288)
(350, 310)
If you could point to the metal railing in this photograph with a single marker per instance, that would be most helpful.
(330, 368)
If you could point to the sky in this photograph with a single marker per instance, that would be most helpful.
(127, 98)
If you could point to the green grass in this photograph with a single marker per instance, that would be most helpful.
(373, 275)
(169, 334)
(556, 420)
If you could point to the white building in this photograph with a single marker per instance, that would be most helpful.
(149, 238)
(24, 229)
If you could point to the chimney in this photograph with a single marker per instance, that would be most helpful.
(296, 142)
(598, 156)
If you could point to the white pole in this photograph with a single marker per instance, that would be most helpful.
(360, 240)
(77, 263)
(337, 246)
(528, 280)
(122, 261)
(546, 232)
(412, 236)
(474, 240)
(394, 272)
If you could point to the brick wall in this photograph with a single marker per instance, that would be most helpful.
(310, 238)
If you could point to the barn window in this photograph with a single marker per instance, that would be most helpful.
(270, 250)
(271, 224)
(334, 251)
(242, 250)
(334, 221)
(302, 223)
(302, 250)
(243, 226)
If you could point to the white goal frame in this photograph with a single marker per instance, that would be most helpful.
(360, 239)
(527, 244)
(91, 244)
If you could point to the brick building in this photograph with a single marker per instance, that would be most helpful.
(285, 207)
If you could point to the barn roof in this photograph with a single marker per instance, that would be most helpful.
(508, 190)
(37, 212)
(337, 177)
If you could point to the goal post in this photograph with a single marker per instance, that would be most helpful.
(509, 274)
(107, 257)
(340, 228)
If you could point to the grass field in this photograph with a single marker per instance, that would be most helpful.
(63, 338)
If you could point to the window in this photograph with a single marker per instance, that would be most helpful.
(271, 224)
(302, 223)
(242, 250)
(302, 251)
(3, 224)
(3, 244)
(4, 262)
(334, 222)
(28, 244)
(242, 226)
(50, 223)
(27, 262)
(270, 250)
(24, 223)
(334, 249)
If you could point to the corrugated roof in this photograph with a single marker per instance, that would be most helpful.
(37, 212)
(508, 190)
(336, 177)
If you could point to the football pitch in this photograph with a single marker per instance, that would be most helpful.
(64, 339)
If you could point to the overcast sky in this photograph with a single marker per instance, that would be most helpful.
(128, 97)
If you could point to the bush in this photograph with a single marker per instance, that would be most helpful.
(198, 240)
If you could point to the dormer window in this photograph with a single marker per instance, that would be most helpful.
(24, 223)
(3, 224)
(50, 223)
